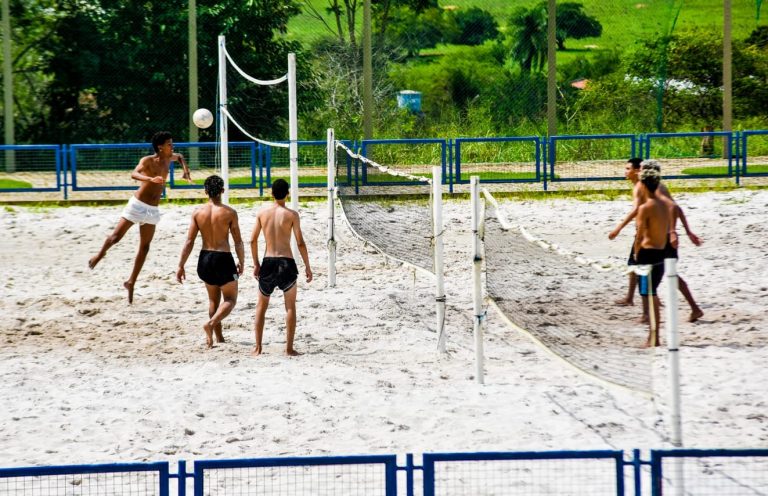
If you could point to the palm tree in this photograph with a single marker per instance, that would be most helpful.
(529, 38)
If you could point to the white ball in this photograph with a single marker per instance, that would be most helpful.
(202, 118)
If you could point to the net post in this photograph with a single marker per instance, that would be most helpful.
(673, 352)
(477, 293)
(293, 131)
(331, 154)
(437, 228)
(223, 137)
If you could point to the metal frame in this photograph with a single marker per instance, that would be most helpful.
(364, 150)
(537, 157)
(59, 169)
(725, 134)
(551, 154)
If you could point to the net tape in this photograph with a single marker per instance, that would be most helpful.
(564, 305)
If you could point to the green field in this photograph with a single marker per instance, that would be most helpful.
(14, 184)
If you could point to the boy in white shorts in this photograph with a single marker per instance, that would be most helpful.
(152, 172)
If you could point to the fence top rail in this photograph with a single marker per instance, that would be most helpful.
(693, 453)
(408, 141)
(525, 455)
(502, 138)
(30, 147)
(591, 136)
(295, 461)
(149, 145)
(692, 134)
(84, 469)
(754, 132)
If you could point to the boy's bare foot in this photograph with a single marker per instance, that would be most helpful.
(129, 286)
(208, 328)
(624, 302)
(93, 261)
(219, 334)
(256, 351)
(292, 353)
(695, 315)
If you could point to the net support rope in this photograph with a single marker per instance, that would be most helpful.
(260, 82)
(254, 138)
(554, 299)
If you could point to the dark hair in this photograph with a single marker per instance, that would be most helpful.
(159, 138)
(635, 161)
(280, 189)
(214, 185)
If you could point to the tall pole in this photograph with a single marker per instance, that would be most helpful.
(223, 137)
(192, 74)
(673, 352)
(727, 70)
(367, 73)
(331, 156)
(437, 230)
(293, 132)
(10, 139)
(477, 292)
(551, 69)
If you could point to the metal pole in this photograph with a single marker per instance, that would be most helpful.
(727, 73)
(293, 131)
(223, 138)
(477, 293)
(192, 76)
(673, 352)
(437, 230)
(367, 73)
(10, 139)
(551, 69)
(331, 153)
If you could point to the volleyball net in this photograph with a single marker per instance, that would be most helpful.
(407, 228)
(565, 303)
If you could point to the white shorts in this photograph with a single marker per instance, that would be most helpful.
(140, 213)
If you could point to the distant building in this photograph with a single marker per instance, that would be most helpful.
(580, 84)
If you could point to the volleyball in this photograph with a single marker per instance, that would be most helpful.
(202, 118)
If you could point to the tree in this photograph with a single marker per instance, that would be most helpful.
(573, 22)
(529, 38)
(415, 32)
(474, 26)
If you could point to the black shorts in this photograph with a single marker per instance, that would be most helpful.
(216, 268)
(655, 258)
(277, 272)
(669, 252)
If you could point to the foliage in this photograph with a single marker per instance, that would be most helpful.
(413, 32)
(572, 22)
(473, 26)
(529, 38)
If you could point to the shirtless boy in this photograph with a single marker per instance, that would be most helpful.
(215, 266)
(278, 269)
(632, 173)
(152, 172)
(654, 218)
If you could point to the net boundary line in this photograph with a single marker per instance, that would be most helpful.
(252, 79)
(254, 138)
(384, 169)
(376, 247)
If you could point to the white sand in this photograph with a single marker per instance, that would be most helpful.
(85, 378)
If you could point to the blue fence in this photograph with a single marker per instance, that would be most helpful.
(607, 472)
(529, 159)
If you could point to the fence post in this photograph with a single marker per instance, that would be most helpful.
(477, 292)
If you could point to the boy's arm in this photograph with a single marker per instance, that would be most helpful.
(255, 247)
(188, 245)
(237, 238)
(302, 246)
(679, 214)
(139, 174)
(186, 175)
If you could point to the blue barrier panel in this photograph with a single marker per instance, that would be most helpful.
(556, 472)
(30, 168)
(316, 476)
(593, 157)
(692, 155)
(498, 160)
(312, 166)
(203, 160)
(136, 479)
(107, 167)
(709, 472)
(754, 153)
(414, 156)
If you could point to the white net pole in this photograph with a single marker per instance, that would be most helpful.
(477, 292)
(437, 216)
(331, 153)
(673, 352)
(223, 137)
(293, 131)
